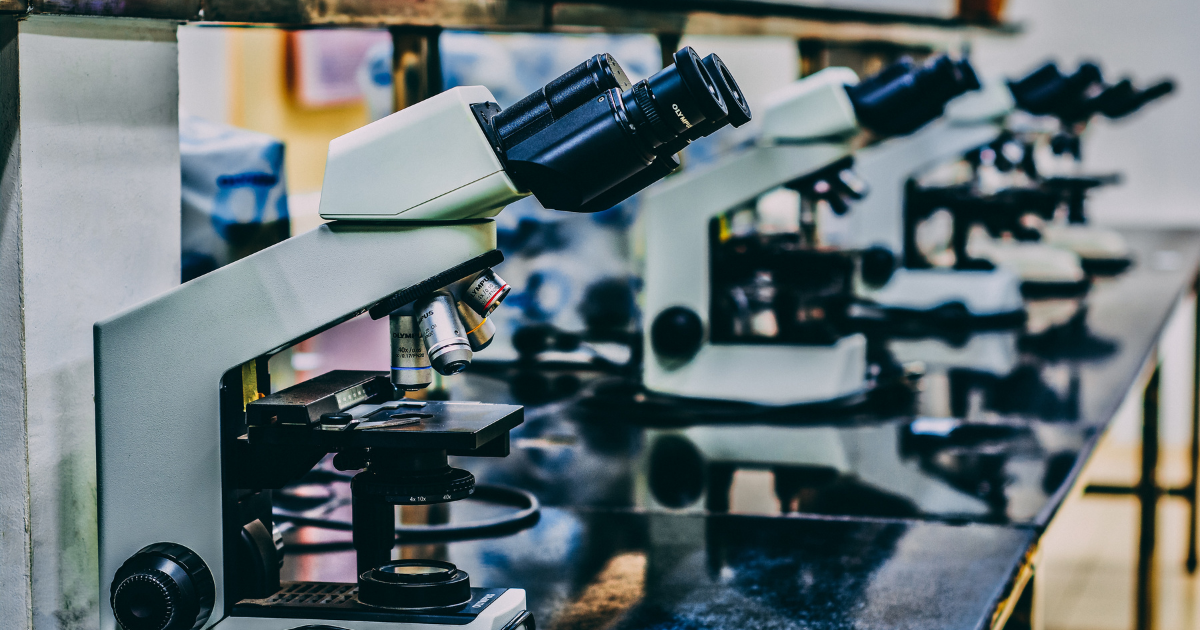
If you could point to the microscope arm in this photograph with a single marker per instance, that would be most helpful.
(159, 367)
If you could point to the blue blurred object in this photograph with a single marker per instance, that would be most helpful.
(234, 195)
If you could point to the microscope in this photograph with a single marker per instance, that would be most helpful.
(1006, 237)
(1029, 183)
(1054, 154)
(191, 439)
(744, 309)
(975, 298)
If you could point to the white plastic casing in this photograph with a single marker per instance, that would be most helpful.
(983, 293)
(427, 162)
(813, 107)
(160, 471)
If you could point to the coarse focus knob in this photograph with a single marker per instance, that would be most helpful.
(162, 587)
(677, 333)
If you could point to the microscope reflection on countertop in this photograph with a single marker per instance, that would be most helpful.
(191, 441)
(743, 301)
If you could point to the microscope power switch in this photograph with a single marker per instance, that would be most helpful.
(164, 586)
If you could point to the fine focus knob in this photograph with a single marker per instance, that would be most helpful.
(878, 265)
(162, 587)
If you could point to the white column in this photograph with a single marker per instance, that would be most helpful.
(89, 225)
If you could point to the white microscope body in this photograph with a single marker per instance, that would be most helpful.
(769, 332)
(971, 121)
(191, 440)
(806, 126)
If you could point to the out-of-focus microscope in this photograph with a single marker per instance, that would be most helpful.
(737, 309)
(191, 441)
(1048, 144)
(980, 297)
(1008, 211)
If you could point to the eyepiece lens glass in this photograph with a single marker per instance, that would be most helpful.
(413, 569)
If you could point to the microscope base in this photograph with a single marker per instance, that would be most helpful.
(1101, 252)
(947, 293)
(497, 609)
(1045, 271)
(768, 374)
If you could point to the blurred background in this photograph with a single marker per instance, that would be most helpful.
(306, 87)
(258, 106)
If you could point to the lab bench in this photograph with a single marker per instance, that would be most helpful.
(918, 511)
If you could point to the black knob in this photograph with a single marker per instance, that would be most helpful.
(677, 333)
(878, 265)
(162, 587)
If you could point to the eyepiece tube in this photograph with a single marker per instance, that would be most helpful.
(903, 97)
(480, 330)
(443, 333)
(1047, 91)
(613, 137)
(410, 363)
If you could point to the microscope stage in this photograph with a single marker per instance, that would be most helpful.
(300, 416)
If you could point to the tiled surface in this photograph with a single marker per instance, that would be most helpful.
(1089, 554)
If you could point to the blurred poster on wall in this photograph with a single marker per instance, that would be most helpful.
(325, 64)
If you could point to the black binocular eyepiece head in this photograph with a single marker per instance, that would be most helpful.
(1123, 99)
(1047, 91)
(1079, 96)
(904, 97)
(590, 139)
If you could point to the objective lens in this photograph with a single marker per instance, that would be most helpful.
(410, 364)
(443, 333)
(485, 292)
(1048, 91)
(480, 330)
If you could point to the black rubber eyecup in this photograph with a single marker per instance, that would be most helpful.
(700, 83)
(415, 585)
(612, 72)
(735, 101)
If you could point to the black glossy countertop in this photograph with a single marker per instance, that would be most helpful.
(912, 512)
(1001, 423)
(621, 570)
